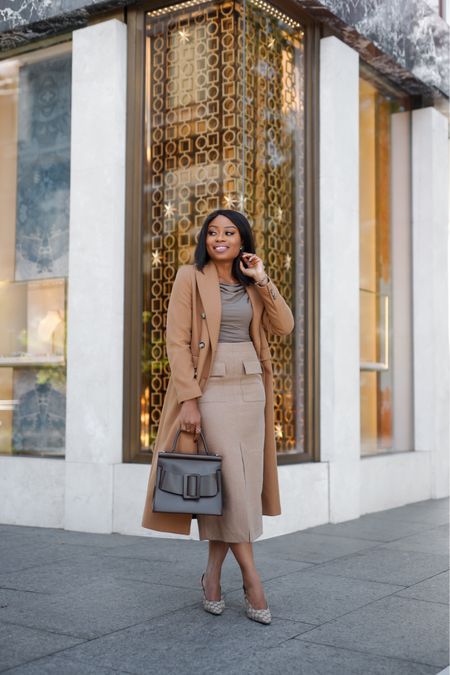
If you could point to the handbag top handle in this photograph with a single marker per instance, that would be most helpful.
(172, 449)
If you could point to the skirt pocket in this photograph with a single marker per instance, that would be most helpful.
(218, 387)
(252, 385)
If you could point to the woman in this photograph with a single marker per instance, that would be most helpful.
(219, 312)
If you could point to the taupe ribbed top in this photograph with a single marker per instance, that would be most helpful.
(237, 313)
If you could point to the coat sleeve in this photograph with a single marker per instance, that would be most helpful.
(277, 317)
(178, 337)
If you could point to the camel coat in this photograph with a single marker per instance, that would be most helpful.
(193, 325)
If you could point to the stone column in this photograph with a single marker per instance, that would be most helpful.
(96, 275)
(431, 293)
(339, 276)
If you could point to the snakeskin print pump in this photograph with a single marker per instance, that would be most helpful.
(212, 606)
(260, 615)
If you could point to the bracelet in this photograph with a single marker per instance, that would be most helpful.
(266, 280)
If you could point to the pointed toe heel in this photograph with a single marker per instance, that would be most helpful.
(259, 615)
(212, 606)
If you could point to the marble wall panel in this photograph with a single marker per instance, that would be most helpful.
(22, 21)
(409, 31)
(404, 39)
(14, 13)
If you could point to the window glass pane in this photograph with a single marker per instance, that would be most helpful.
(223, 129)
(376, 280)
(34, 244)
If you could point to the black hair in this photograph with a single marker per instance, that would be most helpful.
(201, 255)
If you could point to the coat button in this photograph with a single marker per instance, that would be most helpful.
(203, 315)
(201, 344)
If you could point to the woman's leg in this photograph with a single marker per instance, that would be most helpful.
(243, 552)
(216, 555)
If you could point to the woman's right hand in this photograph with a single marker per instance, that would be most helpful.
(189, 417)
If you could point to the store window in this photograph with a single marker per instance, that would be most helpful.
(223, 127)
(35, 90)
(385, 268)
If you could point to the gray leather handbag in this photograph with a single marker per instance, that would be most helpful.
(188, 482)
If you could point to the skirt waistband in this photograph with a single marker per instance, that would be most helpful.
(247, 346)
(233, 359)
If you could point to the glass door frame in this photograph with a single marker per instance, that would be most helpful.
(133, 233)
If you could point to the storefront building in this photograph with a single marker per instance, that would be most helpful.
(122, 125)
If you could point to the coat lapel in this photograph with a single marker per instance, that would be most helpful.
(209, 289)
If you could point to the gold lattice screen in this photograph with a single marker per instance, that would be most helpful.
(223, 128)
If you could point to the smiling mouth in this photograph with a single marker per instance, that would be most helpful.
(220, 248)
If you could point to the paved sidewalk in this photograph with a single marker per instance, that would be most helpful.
(365, 597)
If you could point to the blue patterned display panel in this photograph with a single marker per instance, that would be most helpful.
(43, 169)
(39, 418)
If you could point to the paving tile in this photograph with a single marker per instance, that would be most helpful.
(39, 537)
(5, 527)
(69, 574)
(21, 555)
(9, 535)
(19, 645)
(297, 657)
(315, 598)
(66, 575)
(394, 627)
(186, 574)
(94, 609)
(158, 548)
(133, 604)
(432, 512)
(182, 562)
(60, 536)
(434, 540)
(387, 565)
(429, 505)
(435, 589)
(60, 665)
(374, 528)
(186, 641)
(310, 547)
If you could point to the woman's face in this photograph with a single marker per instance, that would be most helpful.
(223, 239)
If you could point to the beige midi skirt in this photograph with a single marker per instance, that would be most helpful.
(232, 420)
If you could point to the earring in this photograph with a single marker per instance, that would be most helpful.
(242, 248)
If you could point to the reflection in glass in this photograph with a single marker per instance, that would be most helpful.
(223, 129)
(35, 91)
(32, 322)
(376, 382)
(374, 344)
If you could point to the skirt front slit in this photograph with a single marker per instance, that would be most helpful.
(232, 420)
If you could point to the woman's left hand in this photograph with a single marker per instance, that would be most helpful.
(255, 267)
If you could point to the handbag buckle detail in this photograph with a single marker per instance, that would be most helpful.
(191, 486)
